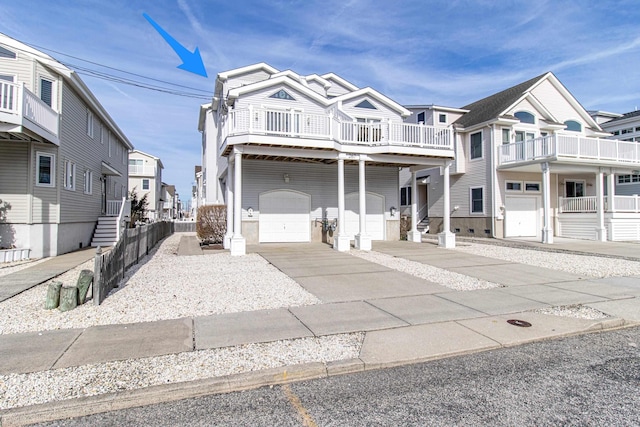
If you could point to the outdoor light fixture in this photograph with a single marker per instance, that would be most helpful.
(286, 177)
(393, 210)
(456, 207)
(250, 212)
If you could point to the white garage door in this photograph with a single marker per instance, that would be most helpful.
(522, 217)
(284, 217)
(375, 216)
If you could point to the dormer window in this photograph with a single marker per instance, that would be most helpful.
(366, 104)
(282, 94)
(525, 117)
(573, 126)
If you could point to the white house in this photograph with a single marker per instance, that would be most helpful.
(145, 177)
(63, 160)
(311, 158)
(625, 127)
(531, 162)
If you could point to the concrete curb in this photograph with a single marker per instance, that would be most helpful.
(83, 406)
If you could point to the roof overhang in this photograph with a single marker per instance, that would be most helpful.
(109, 170)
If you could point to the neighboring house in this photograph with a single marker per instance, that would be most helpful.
(63, 160)
(197, 191)
(169, 202)
(311, 158)
(531, 162)
(625, 127)
(145, 177)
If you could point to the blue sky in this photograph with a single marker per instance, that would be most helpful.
(416, 52)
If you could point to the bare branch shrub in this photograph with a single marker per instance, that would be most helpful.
(212, 223)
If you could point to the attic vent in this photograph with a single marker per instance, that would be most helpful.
(282, 94)
(366, 104)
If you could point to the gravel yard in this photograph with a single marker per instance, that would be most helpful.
(586, 265)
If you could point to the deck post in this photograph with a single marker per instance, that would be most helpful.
(341, 241)
(601, 232)
(414, 235)
(362, 240)
(547, 228)
(238, 243)
(446, 238)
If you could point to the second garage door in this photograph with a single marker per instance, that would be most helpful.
(284, 217)
(522, 216)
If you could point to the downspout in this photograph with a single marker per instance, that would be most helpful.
(493, 182)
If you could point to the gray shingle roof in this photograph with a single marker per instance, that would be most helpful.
(490, 107)
(625, 116)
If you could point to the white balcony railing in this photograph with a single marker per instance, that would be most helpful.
(589, 204)
(571, 147)
(335, 126)
(113, 207)
(25, 108)
(143, 170)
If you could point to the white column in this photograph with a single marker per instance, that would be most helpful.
(611, 191)
(414, 235)
(547, 228)
(446, 238)
(341, 241)
(238, 243)
(362, 241)
(229, 202)
(601, 232)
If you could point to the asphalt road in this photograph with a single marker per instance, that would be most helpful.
(590, 380)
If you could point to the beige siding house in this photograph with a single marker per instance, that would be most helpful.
(531, 162)
(63, 160)
(145, 177)
(311, 158)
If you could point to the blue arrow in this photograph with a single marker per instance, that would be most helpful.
(191, 61)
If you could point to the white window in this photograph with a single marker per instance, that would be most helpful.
(6, 53)
(89, 123)
(421, 118)
(145, 184)
(69, 175)
(475, 146)
(476, 200)
(103, 134)
(442, 118)
(574, 188)
(46, 91)
(512, 186)
(506, 136)
(124, 156)
(405, 196)
(88, 182)
(628, 179)
(45, 169)
(532, 186)
(110, 144)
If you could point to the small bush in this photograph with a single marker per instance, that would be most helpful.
(212, 223)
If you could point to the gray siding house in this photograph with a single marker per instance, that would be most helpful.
(63, 160)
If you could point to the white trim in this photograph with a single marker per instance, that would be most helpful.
(89, 123)
(538, 183)
(446, 118)
(10, 50)
(475, 159)
(88, 181)
(482, 187)
(52, 172)
(69, 175)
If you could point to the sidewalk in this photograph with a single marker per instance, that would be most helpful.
(405, 320)
(14, 283)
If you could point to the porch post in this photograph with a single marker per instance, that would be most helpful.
(547, 228)
(446, 238)
(601, 232)
(414, 235)
(238, 243)
(611, 191)
(341, 241)
(229, 202)
(362, 241)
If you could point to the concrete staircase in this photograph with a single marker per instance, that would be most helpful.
(106, 232)
(423, 226)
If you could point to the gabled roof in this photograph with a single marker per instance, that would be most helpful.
(625, 116)
(151, 156)
(496, 106)
(493, 106)
(373, 94)
(280, 80)
(261, 66)
(339, 80)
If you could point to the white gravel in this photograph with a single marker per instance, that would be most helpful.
(164, 286)
(585, 265)
(457, 281)
(89, 380)
(577, 311)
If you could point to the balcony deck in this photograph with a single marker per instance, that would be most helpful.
(22, 108)
(569, 149)
(333, 131)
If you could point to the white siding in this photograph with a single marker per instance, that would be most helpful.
(261, 98)
(381, 112)
(557, 104)
(245, 79)
(14, 181)
(319, 181)
(21, 68)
